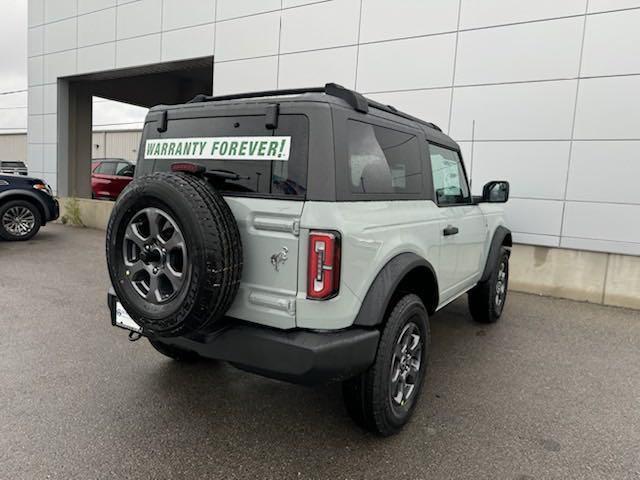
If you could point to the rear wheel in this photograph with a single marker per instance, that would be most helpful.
(383, 398)
(487, 299)
(19, 220)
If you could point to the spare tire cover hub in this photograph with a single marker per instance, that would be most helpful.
(155, 254)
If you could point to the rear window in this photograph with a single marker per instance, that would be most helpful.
(13, 164)
(267, 176)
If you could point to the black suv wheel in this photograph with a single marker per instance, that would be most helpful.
(383, 398)
(19, 220)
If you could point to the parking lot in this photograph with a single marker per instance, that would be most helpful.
(552, 391)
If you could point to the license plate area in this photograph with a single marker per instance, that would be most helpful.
(122, 319)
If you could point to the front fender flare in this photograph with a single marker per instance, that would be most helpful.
(498, 240)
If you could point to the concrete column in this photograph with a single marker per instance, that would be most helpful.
(75, 110)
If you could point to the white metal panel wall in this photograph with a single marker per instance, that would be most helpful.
(116, 144)
(105, 144)
(547, 90)
(98, 144)
(13, 147)
(122, 145)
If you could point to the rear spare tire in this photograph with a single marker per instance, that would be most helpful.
(174, 253)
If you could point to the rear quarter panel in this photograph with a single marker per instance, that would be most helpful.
(267, 227)
(373, 232)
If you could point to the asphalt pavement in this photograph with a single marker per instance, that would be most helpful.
(550, 392)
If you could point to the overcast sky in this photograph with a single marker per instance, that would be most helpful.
(13, 63)
(13, 76)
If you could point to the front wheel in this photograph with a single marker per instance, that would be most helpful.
(487, 299)
(19, 220)
(383, 398)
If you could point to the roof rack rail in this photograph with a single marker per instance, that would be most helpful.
(395, 111)
(357, 101)
(265, 93)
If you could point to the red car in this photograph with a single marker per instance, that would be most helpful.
(109, 176)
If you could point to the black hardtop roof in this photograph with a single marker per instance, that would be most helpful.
(330, 93)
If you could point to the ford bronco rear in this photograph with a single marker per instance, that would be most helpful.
(305, 235)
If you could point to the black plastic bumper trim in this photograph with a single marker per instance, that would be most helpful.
(54, 211)
(297, 356)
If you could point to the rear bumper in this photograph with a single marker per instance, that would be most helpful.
(297, 356)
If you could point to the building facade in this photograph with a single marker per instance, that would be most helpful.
(104, 144)
(544, 94)
(13, 146)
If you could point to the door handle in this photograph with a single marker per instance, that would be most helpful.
(450, 230)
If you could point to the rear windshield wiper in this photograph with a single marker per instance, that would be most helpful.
(198, 169)
(225, 174)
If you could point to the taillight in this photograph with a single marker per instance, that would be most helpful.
(188, 167)
(324, 265)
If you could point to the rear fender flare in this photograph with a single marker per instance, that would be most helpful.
(381, 291)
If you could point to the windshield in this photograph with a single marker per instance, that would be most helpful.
(253, 160)
(13, 164)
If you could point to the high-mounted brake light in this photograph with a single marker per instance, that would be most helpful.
(188, 167)
(324, 265)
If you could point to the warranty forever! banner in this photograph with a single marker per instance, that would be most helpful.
(219, 148)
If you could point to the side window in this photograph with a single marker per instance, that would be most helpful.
(449, 182)
(124, 169)
(383, 160)
(106, 168)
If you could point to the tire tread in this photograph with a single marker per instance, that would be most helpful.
(5, 235)
(481, 297)
(216, 253)
(366, 396)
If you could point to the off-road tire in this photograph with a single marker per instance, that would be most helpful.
(174, 352)
(483, 305)
(367, 396)
(214, 253)
(7, 235)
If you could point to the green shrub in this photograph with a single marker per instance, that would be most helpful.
(72, 213)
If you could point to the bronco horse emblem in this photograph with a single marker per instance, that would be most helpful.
(279, 258)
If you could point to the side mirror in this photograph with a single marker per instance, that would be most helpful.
(496, 191)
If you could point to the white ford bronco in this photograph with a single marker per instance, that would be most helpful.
(306, 235)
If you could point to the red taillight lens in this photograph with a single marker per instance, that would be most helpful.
(324, 265)
(187, 167)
